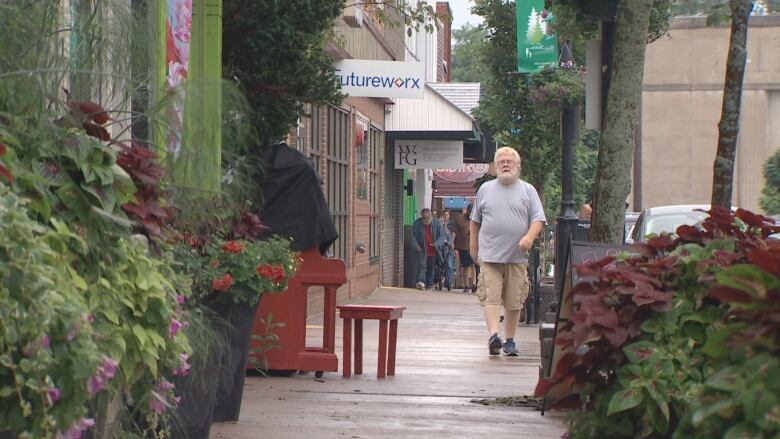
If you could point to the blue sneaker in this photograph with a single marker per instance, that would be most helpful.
(509, 347)
(494, 344)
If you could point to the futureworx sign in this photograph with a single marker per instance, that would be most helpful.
(381, 79)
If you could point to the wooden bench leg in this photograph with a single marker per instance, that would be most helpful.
(358, 346)
(347, 361)
(382, 360)
(391, 347)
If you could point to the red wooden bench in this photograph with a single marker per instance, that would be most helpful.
(358, 313)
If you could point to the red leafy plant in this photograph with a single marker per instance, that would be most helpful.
(667, 343)
(144, 168)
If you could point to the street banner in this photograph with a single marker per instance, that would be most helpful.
(381, 79)
(537, 45)
(428, 154)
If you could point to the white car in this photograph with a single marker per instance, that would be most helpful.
(666, 219)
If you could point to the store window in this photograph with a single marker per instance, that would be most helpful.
(337, 177)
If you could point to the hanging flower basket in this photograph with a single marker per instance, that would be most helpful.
(553, 88)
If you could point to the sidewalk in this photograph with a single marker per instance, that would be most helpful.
(442, 365)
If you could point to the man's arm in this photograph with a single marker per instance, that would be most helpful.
(527, 241)
(474, 240)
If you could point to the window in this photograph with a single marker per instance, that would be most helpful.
(315, 153)
(363, 158)
(337, 177)
(375, 141)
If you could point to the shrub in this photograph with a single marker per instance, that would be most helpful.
(679, 339)
(47, 350)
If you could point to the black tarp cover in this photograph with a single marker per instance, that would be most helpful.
(294, 205)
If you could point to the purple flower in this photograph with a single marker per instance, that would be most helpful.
(174, 327)
(180, 299)
(184, 367)
(156, 404)
(104, 372)
(109, 367)
(32, 347)
(164, 385)
(52, 395)
(91, 318)
(75, 431)
(158, 399)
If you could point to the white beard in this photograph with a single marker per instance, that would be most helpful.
(508, 179)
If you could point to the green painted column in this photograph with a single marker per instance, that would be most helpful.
(410, 205)
(203, 110)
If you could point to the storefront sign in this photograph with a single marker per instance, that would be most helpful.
(537, 45)
(466, 173)
(428, 154)
(381, 79)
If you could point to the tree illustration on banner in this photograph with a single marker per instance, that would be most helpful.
(536, 48)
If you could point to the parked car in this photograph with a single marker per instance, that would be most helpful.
(631, 218)
(666, 219)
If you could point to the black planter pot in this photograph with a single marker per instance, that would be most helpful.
(6, 435)
(240, 318)
(198, 391)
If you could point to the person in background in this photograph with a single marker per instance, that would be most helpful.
(461, 233)
(427, 235)
(507, 217)
(450, 262)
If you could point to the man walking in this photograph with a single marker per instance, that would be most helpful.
(427, 235)
(506, 219)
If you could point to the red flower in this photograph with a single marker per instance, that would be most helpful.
(233, 247)
(222, 284)
(214, 263)
(274, 272)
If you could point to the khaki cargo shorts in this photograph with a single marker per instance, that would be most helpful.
(503, 283)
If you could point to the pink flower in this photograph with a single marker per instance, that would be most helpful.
(180, 299)
(174, 327)
(156, 404)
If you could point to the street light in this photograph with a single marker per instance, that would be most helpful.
(567, 221)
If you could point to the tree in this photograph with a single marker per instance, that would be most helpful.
(624, 98)
(770, 198)
(276, 52)
(468, 63)
(728, 128)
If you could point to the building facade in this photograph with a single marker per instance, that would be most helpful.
(682, 99)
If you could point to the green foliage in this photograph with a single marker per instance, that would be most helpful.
(468, 64)
(276, 52)
(413, 15)
(770, 195)
(588, 12)
(703, 364)
(240, 270)
(47, 349)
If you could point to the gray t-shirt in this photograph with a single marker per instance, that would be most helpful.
(505, 214)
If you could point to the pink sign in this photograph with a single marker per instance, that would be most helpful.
(468, 173)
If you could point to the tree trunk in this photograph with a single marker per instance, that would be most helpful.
(728, 128)
(624, 99)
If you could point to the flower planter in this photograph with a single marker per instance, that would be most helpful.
(198, 391)
(238, 334)
(6, 435)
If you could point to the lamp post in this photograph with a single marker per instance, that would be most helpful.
(567, 221)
